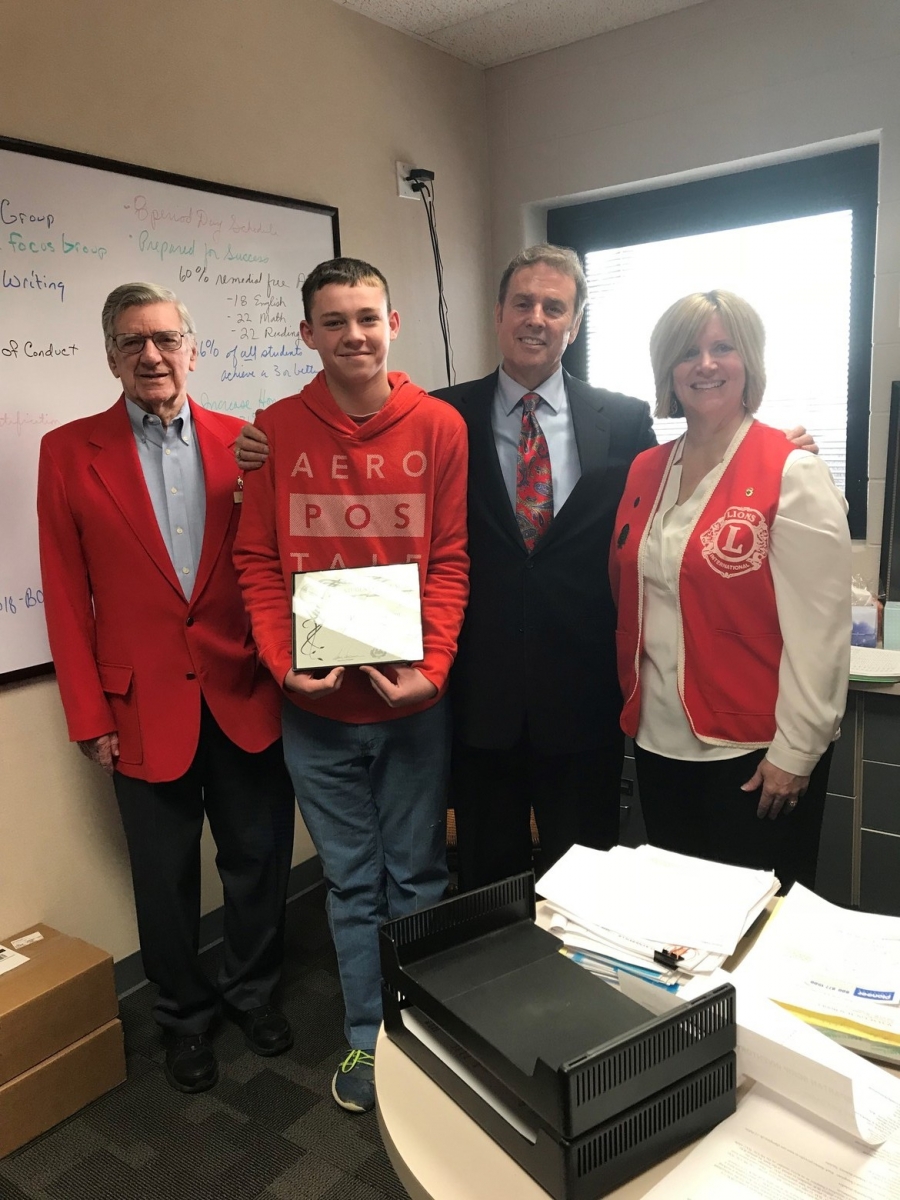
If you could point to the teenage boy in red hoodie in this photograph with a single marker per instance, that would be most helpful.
(365, 469)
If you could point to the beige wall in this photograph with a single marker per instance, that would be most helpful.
(297, 97)
(720, 82)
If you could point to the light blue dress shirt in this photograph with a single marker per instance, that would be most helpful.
(555, 419)
(173, 471)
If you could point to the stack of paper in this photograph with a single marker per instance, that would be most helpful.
(773, 1150)
(839, 970)
(817, 1122)
(868, 665)
(650, 913)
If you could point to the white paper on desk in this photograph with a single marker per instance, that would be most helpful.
(625, 949)
(357, 615)
(827, 960)
(801, 1064)
(791, 1058)
(658, 896)
(769, 1149)
(866, 662)
(659, 1001)
(723, 899)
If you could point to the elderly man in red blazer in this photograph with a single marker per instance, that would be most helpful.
(138, 508)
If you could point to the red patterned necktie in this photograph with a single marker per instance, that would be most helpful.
(534, 485)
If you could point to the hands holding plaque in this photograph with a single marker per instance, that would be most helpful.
(370, 617)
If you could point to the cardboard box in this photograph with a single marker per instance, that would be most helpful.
(60, 1085)
(62, 993)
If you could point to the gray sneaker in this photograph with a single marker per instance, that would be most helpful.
(353, 1086)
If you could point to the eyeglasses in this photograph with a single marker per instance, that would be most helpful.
(165, 340)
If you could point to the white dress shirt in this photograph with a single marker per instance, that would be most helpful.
(555, 419)
(173, 472)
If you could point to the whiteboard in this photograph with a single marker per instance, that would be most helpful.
(73, 227)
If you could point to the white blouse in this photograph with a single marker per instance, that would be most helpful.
(809, 556)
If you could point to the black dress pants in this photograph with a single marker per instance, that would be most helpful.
(698, 808)
(575, 798)
(249, 802)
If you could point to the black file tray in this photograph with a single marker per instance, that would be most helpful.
(549, 1035)
(601, 1160)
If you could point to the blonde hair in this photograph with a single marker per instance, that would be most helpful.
(678, 329)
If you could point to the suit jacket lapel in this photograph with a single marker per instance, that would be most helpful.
(118, 467)
(484, 463)
(220, 476)
(591, 428)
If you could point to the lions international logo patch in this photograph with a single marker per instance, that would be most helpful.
(737, 543)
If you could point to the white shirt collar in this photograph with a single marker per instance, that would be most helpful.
(140, 419)
(552, 391)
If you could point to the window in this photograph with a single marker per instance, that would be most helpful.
(797, 240)
(807, 324)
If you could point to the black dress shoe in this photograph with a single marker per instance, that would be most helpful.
(266, 1030)
(190, 1063)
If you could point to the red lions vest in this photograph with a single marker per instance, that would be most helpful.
(728, 620)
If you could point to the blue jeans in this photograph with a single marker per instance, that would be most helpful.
(374, 800)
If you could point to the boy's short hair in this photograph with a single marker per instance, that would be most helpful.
(348, 271)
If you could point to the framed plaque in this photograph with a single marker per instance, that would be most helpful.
(356, 615)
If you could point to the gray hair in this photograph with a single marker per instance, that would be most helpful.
(137, 295)
(561, 258)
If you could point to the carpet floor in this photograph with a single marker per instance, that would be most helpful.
(269, 1130)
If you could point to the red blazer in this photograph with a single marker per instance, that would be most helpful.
(131, 653)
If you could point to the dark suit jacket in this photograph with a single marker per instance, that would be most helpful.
(537, 649)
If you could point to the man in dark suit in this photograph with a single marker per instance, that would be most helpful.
(138, 507)
(535, 692)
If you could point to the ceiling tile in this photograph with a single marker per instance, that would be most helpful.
(422, 16)
(490, 32)
(528, 26)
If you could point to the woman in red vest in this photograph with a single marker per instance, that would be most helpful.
(731, 570)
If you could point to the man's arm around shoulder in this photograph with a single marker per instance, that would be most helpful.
(446, 586)
(456, 393)
(447, 577)
(632, 414)
(257, 560)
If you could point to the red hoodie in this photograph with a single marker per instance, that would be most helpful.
(334, 493)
